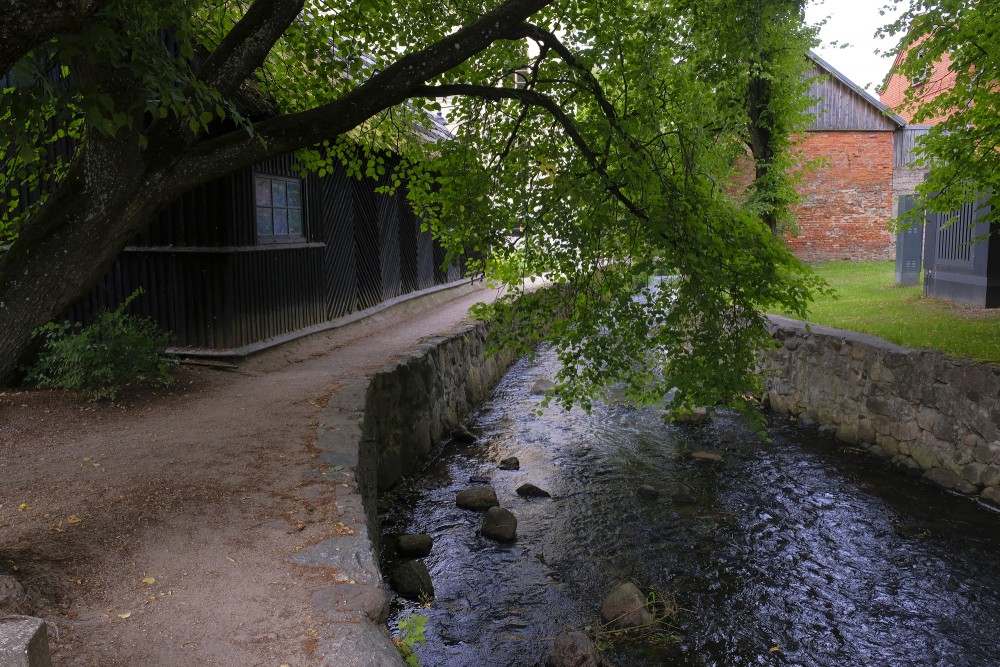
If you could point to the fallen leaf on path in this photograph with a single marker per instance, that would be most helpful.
(230, 559)
(22, 507)
(148, 581)
(73, 520)
(312, 633)
(125, 615)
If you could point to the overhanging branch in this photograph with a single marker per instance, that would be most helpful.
(534, 98)
(245, 47)
(387, 88)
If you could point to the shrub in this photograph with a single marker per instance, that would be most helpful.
(116, 351)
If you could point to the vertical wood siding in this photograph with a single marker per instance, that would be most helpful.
(904, 148)
(213, 285)
(839, 107)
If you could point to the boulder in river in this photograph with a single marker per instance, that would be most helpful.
(696, 416)
(542, 385)
(463, 435)
(647, 491)
(625, 607)
(499, 524)
(412, 580)
(532, 491)
(480, 479)
(478, 498)
(414, 546)
(705, 456)
(574, 649)
(510, 463)
(684, 496)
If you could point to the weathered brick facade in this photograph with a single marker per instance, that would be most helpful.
(847, 200)
(939, 79)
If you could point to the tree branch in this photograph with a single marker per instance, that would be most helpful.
(391, 86)
(534, 98)
(28, 24)
(245, 47)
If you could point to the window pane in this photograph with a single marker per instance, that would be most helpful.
(294, 194)
(280, 221)
(278, 193)
(264, 221)
(294, 220)
(263, 192)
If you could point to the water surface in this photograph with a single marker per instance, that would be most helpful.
(797, 551)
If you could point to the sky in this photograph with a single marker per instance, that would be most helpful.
(853, 22)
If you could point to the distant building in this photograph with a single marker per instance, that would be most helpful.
(847, 200)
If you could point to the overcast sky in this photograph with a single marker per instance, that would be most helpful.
(853, 22)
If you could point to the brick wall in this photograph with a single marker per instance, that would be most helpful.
(847, 201)
(939, 79)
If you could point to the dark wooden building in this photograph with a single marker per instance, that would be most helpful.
(263, 254)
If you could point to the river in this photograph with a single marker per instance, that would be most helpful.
(794, 551)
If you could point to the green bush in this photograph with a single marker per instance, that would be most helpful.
(116, 351)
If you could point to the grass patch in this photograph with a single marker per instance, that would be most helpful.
(868, 300)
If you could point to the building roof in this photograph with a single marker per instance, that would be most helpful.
(870, 109)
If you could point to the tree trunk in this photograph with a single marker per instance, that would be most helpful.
(72, 241)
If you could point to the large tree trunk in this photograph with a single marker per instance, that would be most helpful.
(72, 241)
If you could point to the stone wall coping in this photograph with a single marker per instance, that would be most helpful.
(853, 336)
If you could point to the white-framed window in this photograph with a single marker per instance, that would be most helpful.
(278, 203)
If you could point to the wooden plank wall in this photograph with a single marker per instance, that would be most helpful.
(838, 107)
(210, 282)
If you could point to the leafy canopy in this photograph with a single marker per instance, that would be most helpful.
(962, 150)
(596, 143)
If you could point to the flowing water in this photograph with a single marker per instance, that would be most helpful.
(797, 551)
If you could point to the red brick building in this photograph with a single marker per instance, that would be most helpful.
(937, 79)
(847, 199)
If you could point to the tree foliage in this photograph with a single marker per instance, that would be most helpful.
(596, 143)
(962, 150)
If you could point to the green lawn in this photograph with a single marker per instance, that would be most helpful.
(868, 301)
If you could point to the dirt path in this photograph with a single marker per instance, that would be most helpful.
(158, 532)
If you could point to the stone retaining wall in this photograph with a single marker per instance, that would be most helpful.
(417, 401)
(373, 431)
(936, 416)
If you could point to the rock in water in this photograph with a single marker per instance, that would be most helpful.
(542, 385)
(462, 434)
(499, 524)
(574, 649)
(625, 607)
(510, 463)
(684, 496)
(478, 498)
(412, 580)
(647, 491)
(705, 456)
(696, 416)
(532, 491)
(480, 479)
(414, 546)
